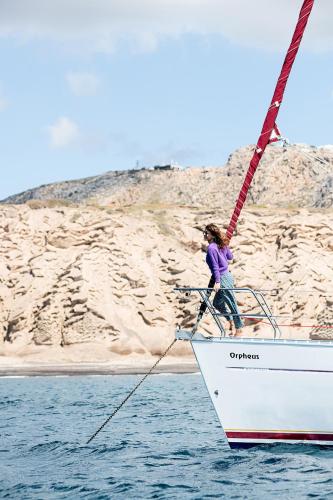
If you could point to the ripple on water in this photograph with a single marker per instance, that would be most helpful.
(156, 448)
(123, 487)
(272, 461)
(65, 488)
(7, 402)
(184, 453)
(46, 447)
(103, 449)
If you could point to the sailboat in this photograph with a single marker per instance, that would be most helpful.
(267, 390)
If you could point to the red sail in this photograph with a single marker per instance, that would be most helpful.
(272, 112)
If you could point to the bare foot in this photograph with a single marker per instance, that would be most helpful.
(238, 332)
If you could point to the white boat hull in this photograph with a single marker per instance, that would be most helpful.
(268, 391)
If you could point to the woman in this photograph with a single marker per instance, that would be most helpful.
(218, 254)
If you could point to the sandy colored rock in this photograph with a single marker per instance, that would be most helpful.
(115, 289)
(94, 281)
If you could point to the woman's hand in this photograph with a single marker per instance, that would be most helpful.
(217, 286)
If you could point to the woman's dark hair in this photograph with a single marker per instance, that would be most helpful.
(220, 239)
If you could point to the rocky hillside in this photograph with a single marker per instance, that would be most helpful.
(295, 176)
(102, 279)
(88, 267)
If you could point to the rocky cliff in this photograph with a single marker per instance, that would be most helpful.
(88, 267)
(87, 283)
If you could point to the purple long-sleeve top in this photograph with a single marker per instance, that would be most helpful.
(217, 260)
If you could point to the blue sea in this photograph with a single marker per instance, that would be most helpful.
(165, 443)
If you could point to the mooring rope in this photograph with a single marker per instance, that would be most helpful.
(132, 391)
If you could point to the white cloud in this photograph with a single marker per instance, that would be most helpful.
(83, 84)
(64, 132)
(100, 25)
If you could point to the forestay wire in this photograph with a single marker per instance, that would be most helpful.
(268, 127)
(132, 392)
(270, 120)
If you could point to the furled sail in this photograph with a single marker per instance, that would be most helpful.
(270, 121)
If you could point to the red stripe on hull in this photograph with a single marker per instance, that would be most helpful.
(300, 436)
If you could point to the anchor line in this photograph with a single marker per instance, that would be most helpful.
(132, 392)
(203, 305)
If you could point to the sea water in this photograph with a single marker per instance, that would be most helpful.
(165, 443)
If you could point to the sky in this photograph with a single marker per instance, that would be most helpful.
(90, 86)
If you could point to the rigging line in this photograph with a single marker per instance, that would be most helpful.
(132, 392)
(326, 165)
(276, 290)
(272, 112)
(298, 325)
(309, 154)
(269, 123)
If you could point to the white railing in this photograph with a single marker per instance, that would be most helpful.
(206, 304)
